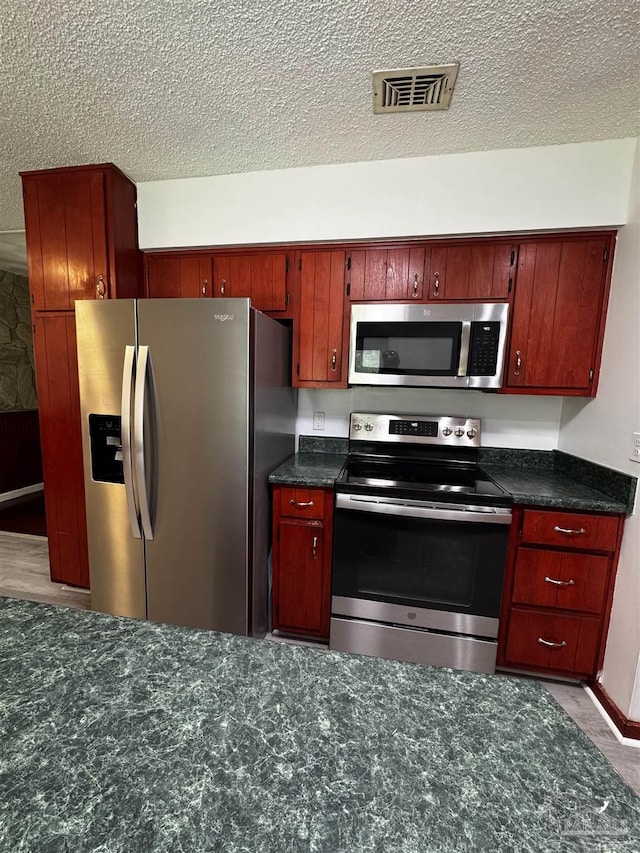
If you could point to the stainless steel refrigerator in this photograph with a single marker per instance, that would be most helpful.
(186, 408)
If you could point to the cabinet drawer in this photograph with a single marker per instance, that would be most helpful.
(570, 530)
(550, 641)
(302, 503)
(560, 579)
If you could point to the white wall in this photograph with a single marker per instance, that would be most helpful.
(530, 422)
(582, 185)
(601, 430)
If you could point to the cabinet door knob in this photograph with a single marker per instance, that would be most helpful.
(334, 359)
(544, 642)
(300, 504)
(559, 583)
(100, 288)
(516, 371)
(415, 286)
(436, 284)
(204, 286)
(222, 286)
(569, 532)
(314, 547)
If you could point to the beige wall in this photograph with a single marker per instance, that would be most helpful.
(601, 430)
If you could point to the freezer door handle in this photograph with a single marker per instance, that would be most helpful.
(138, 439)
(125, 438)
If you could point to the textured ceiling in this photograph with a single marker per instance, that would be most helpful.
(178, 89)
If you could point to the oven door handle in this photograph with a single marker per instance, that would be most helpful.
(455, 512)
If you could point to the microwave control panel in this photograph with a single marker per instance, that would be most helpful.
(483, 349)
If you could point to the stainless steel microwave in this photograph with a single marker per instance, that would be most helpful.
(443, 346)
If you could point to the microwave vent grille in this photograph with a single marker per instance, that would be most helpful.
(414, 89)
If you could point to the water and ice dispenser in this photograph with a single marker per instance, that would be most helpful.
(106, 448)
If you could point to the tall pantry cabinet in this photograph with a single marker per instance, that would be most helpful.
(82, 243)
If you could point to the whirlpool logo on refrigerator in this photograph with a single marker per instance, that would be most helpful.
(223, 317)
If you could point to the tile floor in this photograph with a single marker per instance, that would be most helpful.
(24, 573)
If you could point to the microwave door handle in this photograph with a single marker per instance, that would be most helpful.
(465, 339)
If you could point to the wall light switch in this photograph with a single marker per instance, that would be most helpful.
(635, 448)
(318, 420)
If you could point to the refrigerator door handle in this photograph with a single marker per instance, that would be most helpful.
(138, 440)
(125, 438)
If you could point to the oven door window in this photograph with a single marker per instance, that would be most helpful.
(441, 565)
(408, 349)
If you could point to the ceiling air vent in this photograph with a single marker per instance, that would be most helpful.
(411, 89)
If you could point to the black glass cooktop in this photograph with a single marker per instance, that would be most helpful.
(452, 482)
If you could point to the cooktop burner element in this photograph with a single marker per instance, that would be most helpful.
(417, 454)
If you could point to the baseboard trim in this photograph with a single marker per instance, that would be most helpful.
(627, 731)
(18, 493)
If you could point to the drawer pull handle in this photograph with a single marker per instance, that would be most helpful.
(300, 504)
(415, 286)
(334, 359)
(553, 645)
(569, 532)
(559, 583)
(314, 548)
(516, 370)
(436, 284)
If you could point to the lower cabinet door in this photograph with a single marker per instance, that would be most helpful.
(552, 641)
(301, 579)
(59, 408)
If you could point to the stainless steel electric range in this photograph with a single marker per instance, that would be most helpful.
(420, 543)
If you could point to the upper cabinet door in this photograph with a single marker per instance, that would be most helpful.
(472, 271)
(66, 238)
(375, 275)
(319, 355)
(261, 276)
(559, 302)
(187, 276)
(82, 236)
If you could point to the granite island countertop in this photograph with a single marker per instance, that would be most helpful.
(549, 479)
(121, 735)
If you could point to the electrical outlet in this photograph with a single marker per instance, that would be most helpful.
(635, 448)
(318, 420)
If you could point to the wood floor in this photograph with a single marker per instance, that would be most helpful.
(24, 573)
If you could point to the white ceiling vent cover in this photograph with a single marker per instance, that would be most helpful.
(411, 89)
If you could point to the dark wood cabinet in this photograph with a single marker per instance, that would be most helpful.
(557, 323)
(54, 342)
(476, 271)
(173, 276)
(558, 590)
(376, 275)
(259, 276)
(81, 231)
(262, 277)
(82, 243)
(320, 333)
(302, 536)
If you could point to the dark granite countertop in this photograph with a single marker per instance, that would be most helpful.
(309, 469)
(559, 480)
(536, 477)
(317, 463)
(120, 735)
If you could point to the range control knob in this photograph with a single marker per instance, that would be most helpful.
(472, 432)
(368, 426)
(447, 431)
(459, 431)
(357, 425)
